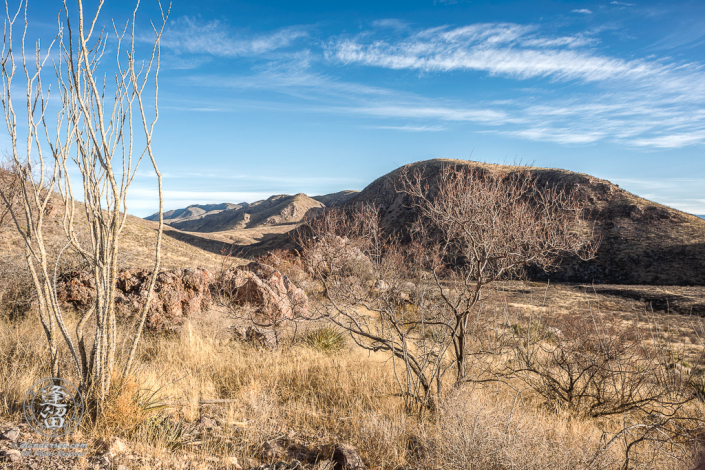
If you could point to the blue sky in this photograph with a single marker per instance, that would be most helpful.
(260, 98)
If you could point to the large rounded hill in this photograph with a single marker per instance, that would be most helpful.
(641, 242)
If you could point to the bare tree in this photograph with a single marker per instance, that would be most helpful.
(98, 137)
(372, 289)
(477, 227)
(419, 300)
(593, 366)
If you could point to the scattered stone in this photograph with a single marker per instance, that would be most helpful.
(10, 435)
(408, 287)
(122, 467)
(262, 337)
(239, 333)
(12, 455)
(282, 465)
(381, 286)
(272, 450)
(257, 336)
(552, 330)
(207, 423)
(346, 458)
(107, 451)
(250, 463)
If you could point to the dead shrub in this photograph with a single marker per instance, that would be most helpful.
(17, 291)
(485, 428)
(594, 367)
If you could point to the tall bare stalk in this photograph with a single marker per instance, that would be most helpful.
(97, 137)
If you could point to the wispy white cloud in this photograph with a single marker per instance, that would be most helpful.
(672, 140)
(497, 48)
(647, 102)
(409, 128)
(622, 4)
(557, 134)
(563, 41)
(584, 11)
(390, 23)
(188, 35)
(643, 103)
(409, 110)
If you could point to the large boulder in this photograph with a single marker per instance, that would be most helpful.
(263, 286)
(178, 293)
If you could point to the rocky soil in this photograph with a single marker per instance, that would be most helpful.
(22, 448)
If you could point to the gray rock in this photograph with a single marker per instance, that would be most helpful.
(239, 333)
(232, 462)
(207, 423)
(346, 458)
(272, 450)
(10, 435)
(381, 286)
(12, 455)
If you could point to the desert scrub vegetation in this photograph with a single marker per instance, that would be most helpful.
(303, 397)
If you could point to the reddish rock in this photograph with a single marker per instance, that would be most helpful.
(263, 286)
(77, 288)
(177, 294)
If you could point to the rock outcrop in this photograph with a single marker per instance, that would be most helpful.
(262, 286)
(178, 294)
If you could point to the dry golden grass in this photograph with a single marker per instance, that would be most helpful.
(313, 399)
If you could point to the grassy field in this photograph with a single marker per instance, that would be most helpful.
(306, 398)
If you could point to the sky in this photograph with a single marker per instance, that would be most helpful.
(277, 97)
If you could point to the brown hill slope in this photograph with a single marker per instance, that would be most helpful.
(642, 242)
(136, 244)
(277, 210)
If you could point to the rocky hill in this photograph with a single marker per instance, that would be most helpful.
(642, 242)
(277, 210)
(195, 211)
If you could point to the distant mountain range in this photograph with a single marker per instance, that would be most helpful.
(277, 210)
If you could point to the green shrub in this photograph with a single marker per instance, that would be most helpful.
(325, 339)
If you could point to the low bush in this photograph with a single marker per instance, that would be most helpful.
(325, 339)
